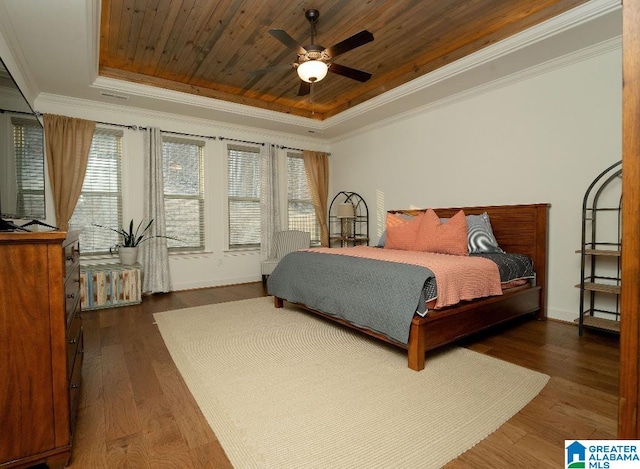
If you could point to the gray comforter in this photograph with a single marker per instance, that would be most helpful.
(361, 291)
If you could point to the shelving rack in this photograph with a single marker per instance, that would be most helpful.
(600, 254)
(354, 230)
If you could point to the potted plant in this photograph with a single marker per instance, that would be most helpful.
(128, 249)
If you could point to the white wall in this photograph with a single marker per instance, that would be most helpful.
(541, 139)
(215, 266)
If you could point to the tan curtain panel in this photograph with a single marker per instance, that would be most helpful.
(316, 166)
(67, 141)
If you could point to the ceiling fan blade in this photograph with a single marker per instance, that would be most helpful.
(305, 88)
(349, 72)
(357, 40)
(283, 37)
(273, 68)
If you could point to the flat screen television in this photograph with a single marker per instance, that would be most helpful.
(22, 176)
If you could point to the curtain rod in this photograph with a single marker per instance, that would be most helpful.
(241, 141)
(132, 127)
(185, 134)
(189, 135)
(2, 111)
(137, 127)
(296, 149)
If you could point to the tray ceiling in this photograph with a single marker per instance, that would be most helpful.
(207, 47)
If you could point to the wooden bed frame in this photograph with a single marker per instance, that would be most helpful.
(520, 229)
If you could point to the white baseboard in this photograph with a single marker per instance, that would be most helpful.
(562, 315)
(215, 283)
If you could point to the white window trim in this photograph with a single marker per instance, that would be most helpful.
(202, 145)
(227, 236)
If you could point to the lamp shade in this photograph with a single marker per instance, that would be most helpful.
(312, 70)
(346, 210)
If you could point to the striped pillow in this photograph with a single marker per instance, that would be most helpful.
(481, 237)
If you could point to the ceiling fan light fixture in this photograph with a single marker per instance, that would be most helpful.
(312, 71)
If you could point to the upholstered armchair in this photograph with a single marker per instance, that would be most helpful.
(284, 242)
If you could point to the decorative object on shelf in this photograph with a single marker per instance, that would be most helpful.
(128, 249)
(600, 253)
(348, 220)
(128, 255)
(346, 213)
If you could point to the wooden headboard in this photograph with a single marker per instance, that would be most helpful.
(521, 229)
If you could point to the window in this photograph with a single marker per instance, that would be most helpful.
(28, 147)
(100, 201)
(243, 196)
(300, 211)
(183, 193)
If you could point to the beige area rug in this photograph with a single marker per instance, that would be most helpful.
(284, 389)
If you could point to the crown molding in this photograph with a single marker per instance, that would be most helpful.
(145, 91)
(556, 25)
(585, 13)
(579, 15)
(141, 117)
(604, 47)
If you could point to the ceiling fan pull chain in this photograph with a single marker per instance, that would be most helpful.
(313, 110)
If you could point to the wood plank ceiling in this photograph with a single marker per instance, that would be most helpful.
(207, 47)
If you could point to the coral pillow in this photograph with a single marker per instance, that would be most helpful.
(402, 233)
(444, 238)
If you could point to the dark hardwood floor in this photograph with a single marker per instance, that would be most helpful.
(136, 411)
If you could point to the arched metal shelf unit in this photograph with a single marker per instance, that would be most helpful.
(600, 254)
(348, 220)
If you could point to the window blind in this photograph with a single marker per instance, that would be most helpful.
(243, 196)
(29, 150)
(100, 201)
(183, 193)
(300, 211)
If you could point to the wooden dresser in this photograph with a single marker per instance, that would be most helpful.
(41, 347)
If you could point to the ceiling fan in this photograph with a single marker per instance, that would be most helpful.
(314, 61)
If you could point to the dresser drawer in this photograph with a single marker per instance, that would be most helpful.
(75, 381)
(72, 295)
(71, 256)
(74, 334)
